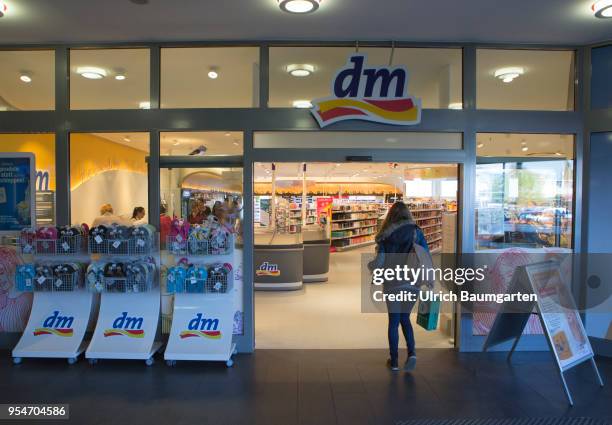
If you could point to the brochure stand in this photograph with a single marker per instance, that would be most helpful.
(558, 315)
(204, 305)
(61, 307)
(130, 303)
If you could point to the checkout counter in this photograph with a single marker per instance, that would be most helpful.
(278, 259)
(316, 253)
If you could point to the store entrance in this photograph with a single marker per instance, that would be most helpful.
(313, 223)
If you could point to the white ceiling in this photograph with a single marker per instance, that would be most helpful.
(518, 21)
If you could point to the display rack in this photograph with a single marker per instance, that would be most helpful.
(61, 307)
(428, 216)
(353, 225)
(203, 311)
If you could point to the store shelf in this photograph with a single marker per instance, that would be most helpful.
(425, 210)
(352, 236)
(429, 217)
(357, 245)
(355, 219)
(434, 240)
(353, 228)
(429, 225)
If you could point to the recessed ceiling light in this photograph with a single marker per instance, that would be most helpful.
(303, 70)
(558, 153)
(455, 105)
(299, 6)
(302, 104)
(3, 8)
(144, 105)
(213, 74)
(236, 143)
(91, 72)
(602, 8)
(175, 142)
(480, 145)
(120, 77)
(127, 139)
(509, 74)
(25, 78)
(524, 148)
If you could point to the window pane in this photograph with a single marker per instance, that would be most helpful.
(524, 191)
(434, 74)
(601, 83)
(27, 80)
(43, 148)
(215, 77)
(108, 168)
(526, 80)
(109, 79)
(361, 139)
(201, 143)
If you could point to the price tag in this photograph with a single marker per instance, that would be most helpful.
(46, 245)
(193, 280)
(27, 248)
(179, 238)
(65, 246)
(58, 282)
(41, 280)
(98, 239)
(140, 242)
(171, 278)
(28, 282)
(217, 286)
(116, 244)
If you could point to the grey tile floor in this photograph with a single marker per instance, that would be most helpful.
(308, 387)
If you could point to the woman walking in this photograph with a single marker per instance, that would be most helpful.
(394, 242)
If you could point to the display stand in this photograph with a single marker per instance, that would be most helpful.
(204, 306)
(558, 316)
(56, 326)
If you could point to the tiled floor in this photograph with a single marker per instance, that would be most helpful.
(287, 387)
(314, 317)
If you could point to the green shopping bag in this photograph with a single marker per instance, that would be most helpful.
(427, 316)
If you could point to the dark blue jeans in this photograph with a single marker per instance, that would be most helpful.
(395, 320)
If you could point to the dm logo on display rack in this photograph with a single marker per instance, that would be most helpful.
(369, 94)
(201, 327)
(56, 324)
(268, 269)
(125, 325)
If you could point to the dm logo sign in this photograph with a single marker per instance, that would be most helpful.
(125, 325)
(268, 269)
(202, 327)
(56, 324)
(369, 94)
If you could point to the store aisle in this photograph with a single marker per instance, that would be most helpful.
(328, 315)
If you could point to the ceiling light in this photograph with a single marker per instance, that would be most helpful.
(236, 143)
(3, 8)
(176, 142)
(144, 105)
(558, 153)
(524, 148)
(213, 74)
(299, 6)
(602, 8)
(455, 105)
(25, 78)
(228, 134)
(302, 104)
(303, 70)
(127, 139)
(120, 77)
(509, 74)
(480, 145)
(91, 73)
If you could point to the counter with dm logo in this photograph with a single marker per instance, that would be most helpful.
(278, 260)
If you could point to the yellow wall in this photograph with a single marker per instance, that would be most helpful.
(91, 155)
(41, 145)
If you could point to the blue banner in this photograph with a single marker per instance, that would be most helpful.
(15, 193)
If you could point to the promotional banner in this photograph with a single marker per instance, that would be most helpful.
(324, 208)
(16, 192)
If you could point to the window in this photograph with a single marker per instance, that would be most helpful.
(108, 168)
(434, 74)
(359, 139)
(201, 143)
(27, 80)
(109, 79)
(215, 77)
(524, 190)
(601, 83)
(43, 148)
(525, 80)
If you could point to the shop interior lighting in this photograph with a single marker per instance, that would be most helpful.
(213, 74)
(302, 104)
(91, 72)
(299, 6)
(455, 105)
(480, 145)
(26, 78)
(144, 105)
(602, 9)
(120, 77)
(300, 70)
(507, 75)
(3, 8)
(127, 139)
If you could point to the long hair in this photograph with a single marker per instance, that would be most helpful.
(137, 211)
(398, 212)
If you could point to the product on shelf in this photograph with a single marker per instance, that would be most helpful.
(354, 224)
(51, 240)
(121, 240)
(190, 278)
(48, 277)
(120, 276)
(209, 238)
(428, 216)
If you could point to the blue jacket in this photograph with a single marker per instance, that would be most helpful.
(396, 239)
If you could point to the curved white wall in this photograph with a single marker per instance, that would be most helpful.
(124, 190)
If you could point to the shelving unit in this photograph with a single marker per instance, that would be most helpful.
(354, 225)
(428, 216)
